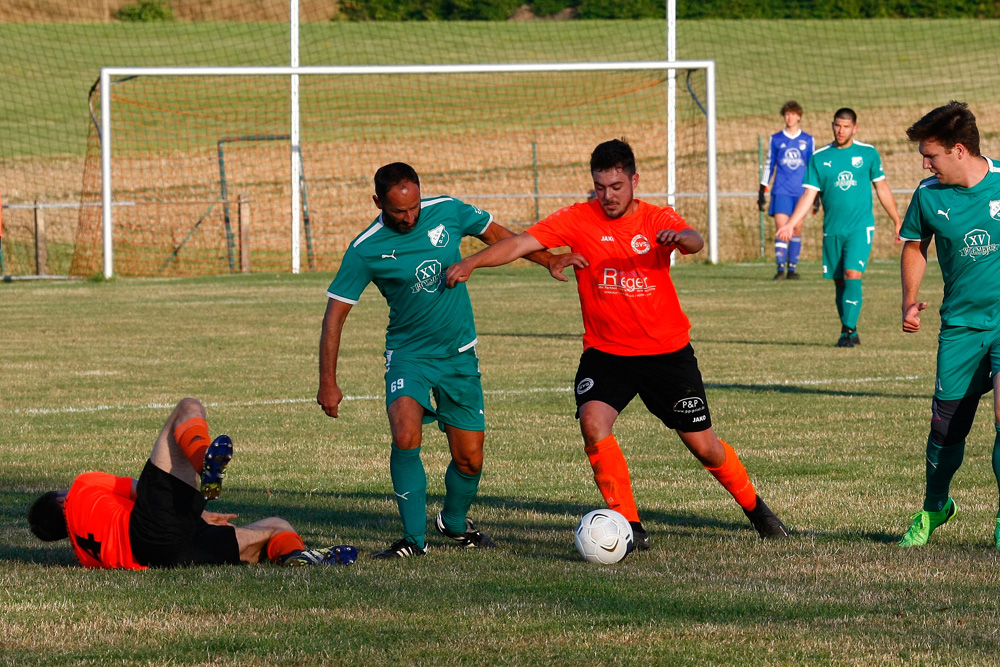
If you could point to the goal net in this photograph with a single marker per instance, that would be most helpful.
(200, 163)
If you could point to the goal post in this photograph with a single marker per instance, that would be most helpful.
(493, 78)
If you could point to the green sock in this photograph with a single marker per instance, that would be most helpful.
(409, 482)
(460, 491)
(839, 299)
(996, 461)
(942, 463)
(852, 303)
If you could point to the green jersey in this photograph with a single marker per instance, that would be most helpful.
(425, 318)
(965, 224)
(843, 177)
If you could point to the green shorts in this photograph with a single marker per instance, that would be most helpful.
(967, 360)
(846, 252)
(454, 383)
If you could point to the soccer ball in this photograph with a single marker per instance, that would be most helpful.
(603, 536)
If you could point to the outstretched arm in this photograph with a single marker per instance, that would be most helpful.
(554, 263)
(502, 252)
(912, 265)
(884, 194)
(329, 395)
(802, 207)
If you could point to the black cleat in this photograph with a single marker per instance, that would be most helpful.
(470, 539)
(640, 538)
(403, 548)
(793, 275)
(780, 275)
(767, 525)
(845, 340)
(855, 338)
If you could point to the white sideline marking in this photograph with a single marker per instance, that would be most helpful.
(379, 397)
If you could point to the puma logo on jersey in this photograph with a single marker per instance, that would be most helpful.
(390, 256)
(608, 238)
(828, 164)
(945, 214)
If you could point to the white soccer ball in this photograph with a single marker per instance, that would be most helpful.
(603, 536)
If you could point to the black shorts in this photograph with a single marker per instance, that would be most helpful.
(669, 385)
(166, 528)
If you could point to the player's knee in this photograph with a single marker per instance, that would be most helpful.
(406, 439)
(469, 465)
(951, 421)
(189, 408)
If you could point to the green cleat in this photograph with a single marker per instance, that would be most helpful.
(924, 523)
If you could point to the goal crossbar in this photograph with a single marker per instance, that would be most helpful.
(107, 73)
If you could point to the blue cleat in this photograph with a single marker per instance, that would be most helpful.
(217, 457)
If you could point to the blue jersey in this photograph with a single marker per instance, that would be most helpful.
(787, 157)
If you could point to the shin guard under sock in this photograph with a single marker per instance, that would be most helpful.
(733, 477)
(852, 303)
(612, 476)
(192, 438)
(460, 491)
(409, 482)
(942, 464)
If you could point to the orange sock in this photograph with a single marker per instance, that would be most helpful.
(611, 475)
(733, 477)
(282, 544)
(192, 438)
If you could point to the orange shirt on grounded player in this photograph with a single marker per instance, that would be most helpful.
(98, 507)
(629, 303)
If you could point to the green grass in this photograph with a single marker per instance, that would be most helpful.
(833, 439)
(47, 69)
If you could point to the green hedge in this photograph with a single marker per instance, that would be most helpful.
(145, 11)
(499, 10)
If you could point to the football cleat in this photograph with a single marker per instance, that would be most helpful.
(403, 548)
(845, 340)
(780, 275)
(924, 523)
(217, 457)
(343, 554)
(793, 275)
(470, 539)
(855, 338)
(767, 525)
(640, 538)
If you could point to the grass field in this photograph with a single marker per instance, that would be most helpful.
(833, 439)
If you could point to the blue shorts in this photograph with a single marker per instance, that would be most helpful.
(782, 204)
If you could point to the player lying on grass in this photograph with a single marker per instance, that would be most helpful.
(636, 339)
(160, 520)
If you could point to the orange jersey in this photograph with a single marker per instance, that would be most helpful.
(98, 508)
(629, 303)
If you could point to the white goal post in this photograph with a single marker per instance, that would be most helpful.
(670, 67)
